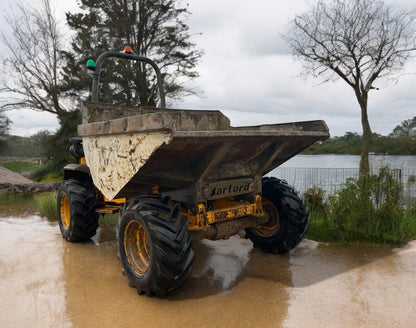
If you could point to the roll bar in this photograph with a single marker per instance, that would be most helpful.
(109, 54)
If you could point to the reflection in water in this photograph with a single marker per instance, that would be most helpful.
(220, 262)
(31, 274)
(219, 292)
(358, 285)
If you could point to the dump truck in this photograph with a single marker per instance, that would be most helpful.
(177, 176)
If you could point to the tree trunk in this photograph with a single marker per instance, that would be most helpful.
(364, 161)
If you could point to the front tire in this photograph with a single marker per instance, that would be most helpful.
(76, 202)
(155, 246)
(288, 218)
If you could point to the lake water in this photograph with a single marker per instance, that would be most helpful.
(351, 161)
(331, 171)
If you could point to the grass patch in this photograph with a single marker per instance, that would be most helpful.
(8, 199)
(46, 204)
(16, 204)
(366, 210)
(21, 166)
(108, 220)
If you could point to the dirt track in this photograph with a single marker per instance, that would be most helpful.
(13, 182)
(7, 176)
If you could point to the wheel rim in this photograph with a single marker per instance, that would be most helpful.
(65, 211)
(272, 225)
(136, 247)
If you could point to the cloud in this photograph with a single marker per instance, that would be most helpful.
(26, 122)
(248, 73)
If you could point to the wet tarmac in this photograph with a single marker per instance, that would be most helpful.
(47, 282)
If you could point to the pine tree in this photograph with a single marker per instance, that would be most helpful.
(153, 28)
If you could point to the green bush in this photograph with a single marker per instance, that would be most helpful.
(315, 197)
(47, 174)
(367, 209)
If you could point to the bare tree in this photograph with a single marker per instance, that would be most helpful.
(33, 68)
(358, 41)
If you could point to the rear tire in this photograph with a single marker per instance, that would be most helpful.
(155, 246)
(76, 204)
(288, 218)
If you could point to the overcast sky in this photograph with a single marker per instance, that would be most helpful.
(249, 75)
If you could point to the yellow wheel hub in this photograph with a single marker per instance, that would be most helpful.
(65, 211)
(136, 247)
(272, 225)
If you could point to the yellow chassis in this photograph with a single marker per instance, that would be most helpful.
(224, 210)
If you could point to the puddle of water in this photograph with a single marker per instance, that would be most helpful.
(31, 274)
(47, 282)
(219, 293)
(354, 286)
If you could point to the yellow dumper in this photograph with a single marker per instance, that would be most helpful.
(176, 176)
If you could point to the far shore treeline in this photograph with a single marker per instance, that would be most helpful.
(401, 141)
(351, 143)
